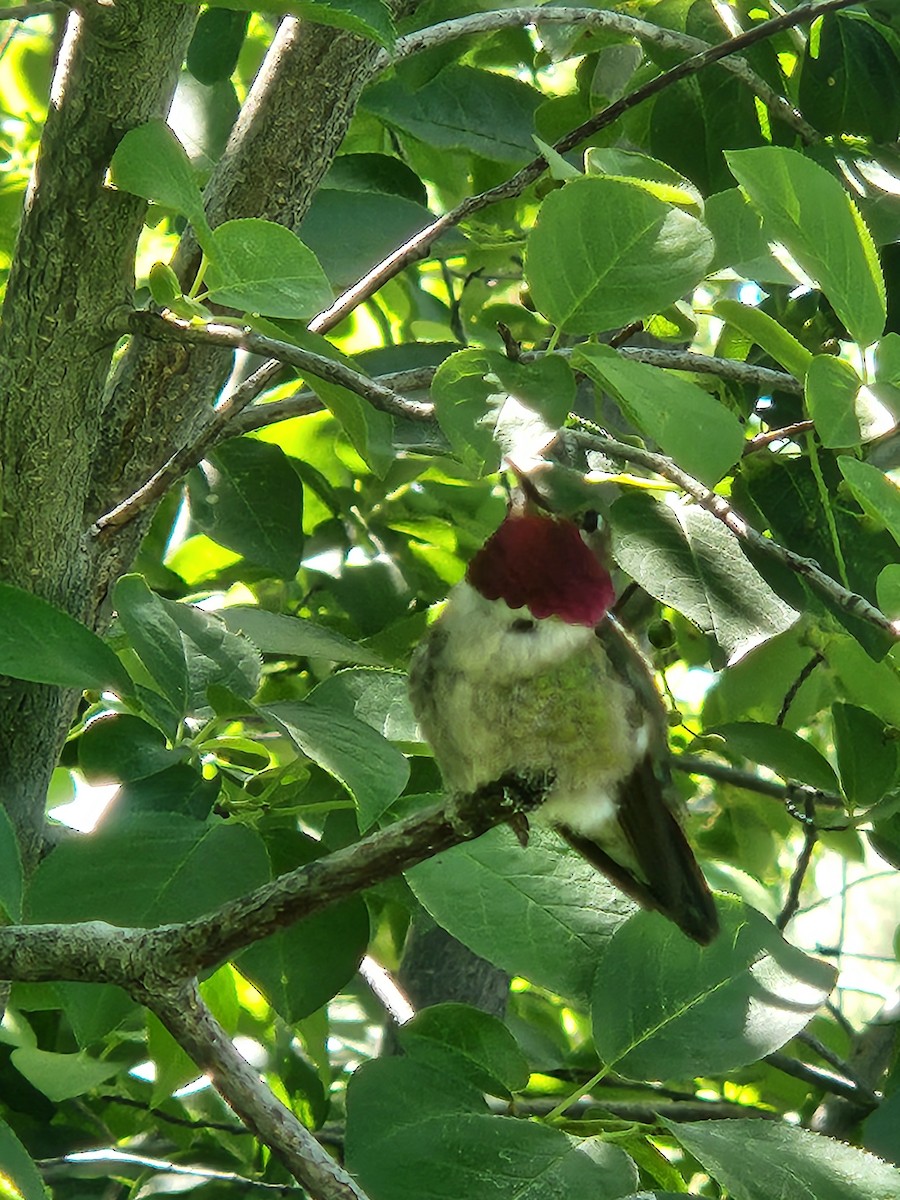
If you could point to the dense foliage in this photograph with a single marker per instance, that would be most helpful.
(232, 500)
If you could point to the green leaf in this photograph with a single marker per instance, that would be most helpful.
(876, 493)
(669, 410)
(542, 911)
(872, 685)
(740, 243)
(807, 210)
(151, 162)
(62, 1076)
(45, 645)
(301, 968)
(148, 869)
(246, 495)
(687, 559)
(378, 697)
(277, 633)
(830, 389)
(369, 767)
(757, 1160)
(371, 18)
(461, 1040)
(216, 45)
(462, 392)
(351, 231)
(10, 869)
(261, 267)
(656, 177)
(19, 1168)
(762, 329)
(470, 390)
(413, 1131)
(214, 655)
(369, 430)
(679, 1009)
(462, 108)
(866, 754)
(850, 79)
(155, 636)
(785, 753)
(604, 252)
(118, 746)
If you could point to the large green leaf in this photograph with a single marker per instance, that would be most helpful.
(765, 331)
(301, 968)
(369, 767)
(462, 108)
(155, 636)
(808, 211)
(785, 753)
(19, 1168)
(260, 267)
(831, 387)
(687, 423)
(758, 1160)
(542, 911)
(464, 1041)
(604, 252)
(62, 1076)
(689, 560)
(413, 1131)
(866, 754)
(876, 492)
(146, 870)
(246, 495)
(45, 645)
(369, 430)
(664, 1007)
(277, 633)
(152, 163)
(850, 79)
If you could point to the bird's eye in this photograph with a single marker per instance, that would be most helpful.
(523, 625)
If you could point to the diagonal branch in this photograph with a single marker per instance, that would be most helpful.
(811, 572)
(592, 18)
(418, 246)
(193, 1026)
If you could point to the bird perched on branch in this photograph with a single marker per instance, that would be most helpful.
(527, 670)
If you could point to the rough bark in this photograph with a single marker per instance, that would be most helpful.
(70, 282)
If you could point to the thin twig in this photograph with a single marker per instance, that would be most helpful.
(592, 18)
(806, 568)
(110, 1160)
(786, 433)
(834, 1060)
(184, 1122)
(791, 694)
(419, 244)
(798, 794)
(217, 427)
(804, 858)
(825, 1081)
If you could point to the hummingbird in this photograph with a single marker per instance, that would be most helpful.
(527, 669)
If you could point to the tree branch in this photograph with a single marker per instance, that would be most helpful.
(796, 794)
(873, 1050)
(149, 962)
(217, 428)
(193, 1026)
(193, 947)
(111, 1160)
(825, 1081)
(592, 18)
(418, 246)
(851, 602)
